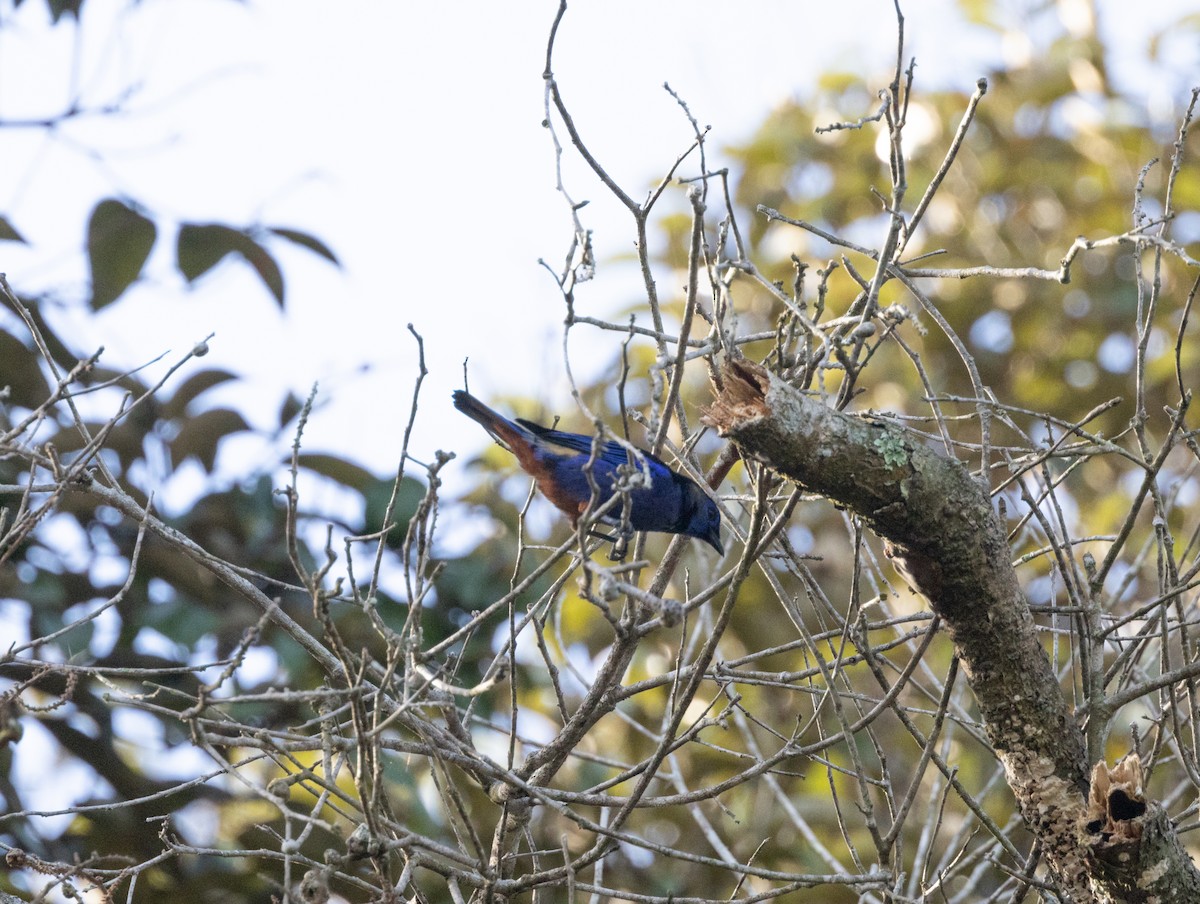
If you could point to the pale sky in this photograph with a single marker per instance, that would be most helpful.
(408, 137)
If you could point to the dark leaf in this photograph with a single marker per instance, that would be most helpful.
(31, 306)
(201, 435)
(21, 372)
(182, 621)
(123, 379)
(118, 242)
(193, 387)
(8, 232)
(268, 270)
(309, 241)
(339, 470)
(379, 493)
(289, 409)
(126, 441)
(60, 8)
(201, 246)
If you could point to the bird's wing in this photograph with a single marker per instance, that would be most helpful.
(612, 452)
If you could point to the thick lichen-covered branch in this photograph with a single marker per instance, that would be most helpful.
(940, 521)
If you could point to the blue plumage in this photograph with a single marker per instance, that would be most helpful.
(672, 503)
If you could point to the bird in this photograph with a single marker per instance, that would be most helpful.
(671, 504)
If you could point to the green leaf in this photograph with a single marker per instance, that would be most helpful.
(118, 243)
(182, 621)
(348, 474)
(379, 494)
(201, 246)
(8, 232)
(268, 270)
(307, 240)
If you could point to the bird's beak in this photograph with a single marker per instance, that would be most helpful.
(714, 540)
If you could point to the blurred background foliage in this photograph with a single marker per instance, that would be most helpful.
(1055, 152)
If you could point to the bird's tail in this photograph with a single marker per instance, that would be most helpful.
(505, 432)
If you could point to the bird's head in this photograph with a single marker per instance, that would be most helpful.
(704, 521)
